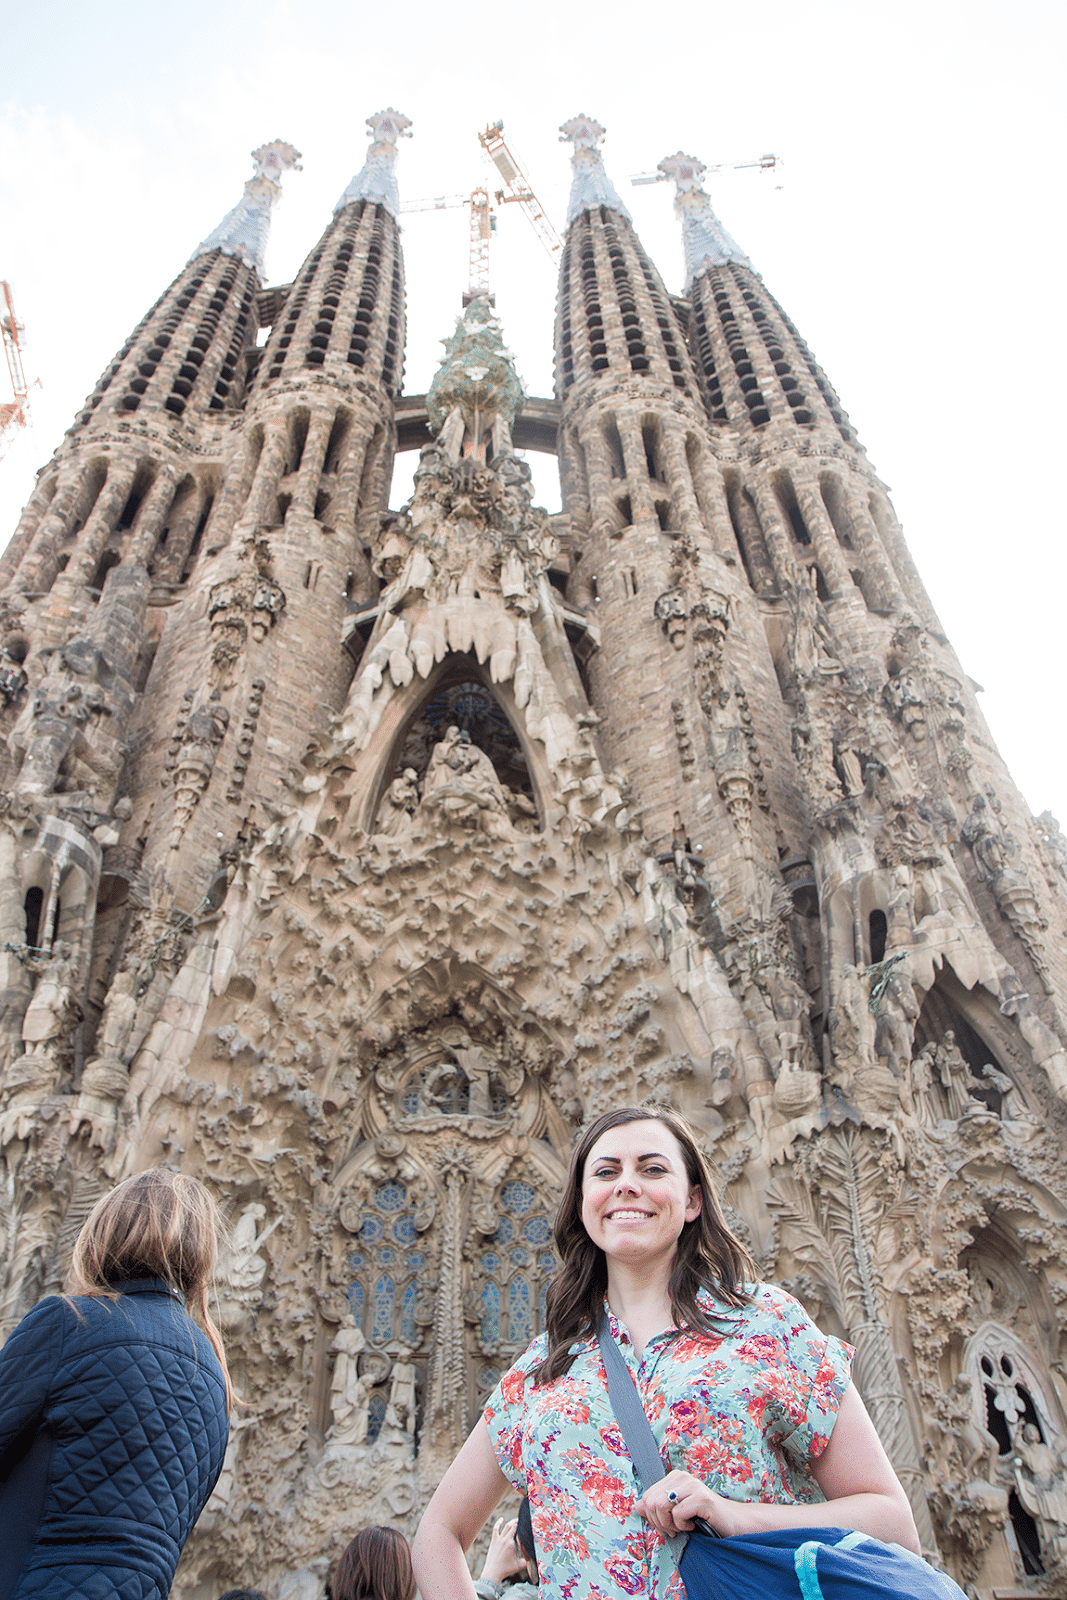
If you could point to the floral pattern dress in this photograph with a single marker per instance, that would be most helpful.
(747, 1409)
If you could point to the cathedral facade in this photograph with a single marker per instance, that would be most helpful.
(352, 858)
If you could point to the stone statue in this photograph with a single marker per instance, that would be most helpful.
(477, 1066)
(461, 786)
(955, 1076)
(399, 804)
(242, 1269)
(55, 1009)
(1039, 1474)
(349, 1392)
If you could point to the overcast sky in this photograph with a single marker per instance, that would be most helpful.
(914, 233)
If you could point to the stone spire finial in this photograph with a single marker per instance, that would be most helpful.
(590, 185)
(477, 375)
(704, 239)
(243, 231)
(376, 178)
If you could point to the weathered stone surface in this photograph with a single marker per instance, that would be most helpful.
(349, 858)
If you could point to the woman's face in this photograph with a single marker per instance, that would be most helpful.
(636, 1193)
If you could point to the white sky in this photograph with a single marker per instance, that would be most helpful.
(914, 234)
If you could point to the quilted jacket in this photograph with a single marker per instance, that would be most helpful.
(112, 1432)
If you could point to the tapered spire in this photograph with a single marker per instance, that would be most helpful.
(243, 232)
(590, 186)
(376, 178)
(704, 239)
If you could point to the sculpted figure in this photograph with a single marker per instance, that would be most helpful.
(349, 1393)
(55, 1009)
(399, 803)
(1039, 1474)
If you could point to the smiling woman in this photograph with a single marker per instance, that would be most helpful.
(756, 1422)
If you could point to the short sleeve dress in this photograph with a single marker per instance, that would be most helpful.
(746, 1409)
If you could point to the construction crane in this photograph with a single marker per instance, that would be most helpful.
(14, 414)
(766, 163)
(482, 228)
(518, 190)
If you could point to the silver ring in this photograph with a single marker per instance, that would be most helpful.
(671, 1496)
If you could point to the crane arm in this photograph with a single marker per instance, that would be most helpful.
(518, 190)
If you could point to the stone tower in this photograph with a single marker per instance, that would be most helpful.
(351, 858)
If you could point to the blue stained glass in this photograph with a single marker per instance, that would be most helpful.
(382, 1326)
(505, 1232)
(414, 1259)
(489, 1377)
(490, 1313)
(519, 1311)
(386, 1255)
(547, 1262)
(375, 1416)
(410, 1102)
(355, 1300)
(390, 1197)
(490, 1261)
(519, 1258)
(517, 1198)
(403, 1230)
(356, 1261)
(408, 1331)
(537, 1231)
(371, 1229)
(543, 1308)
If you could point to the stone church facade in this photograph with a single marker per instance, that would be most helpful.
(350, 858)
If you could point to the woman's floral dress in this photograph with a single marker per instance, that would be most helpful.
(746, 1409)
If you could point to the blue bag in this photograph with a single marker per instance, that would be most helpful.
(808, 1564)
(788, 1564)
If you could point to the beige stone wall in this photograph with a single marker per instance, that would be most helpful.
(346, 865)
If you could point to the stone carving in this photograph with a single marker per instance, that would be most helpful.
(245, 739)
(242, 1268)
(399, 804)
(670, 610)
(349, 1390)
(992, 848)
(204, 731)
(1039, 1477)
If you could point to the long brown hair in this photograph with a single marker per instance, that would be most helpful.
(157, 1224)
(709, 1256)
(376, 1566)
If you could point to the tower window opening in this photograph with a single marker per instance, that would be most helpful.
(625, 510)
(614, 444)
(878, 929)
(629, 583)
(298, 438)
(650, 439)
(820, 585)
(663, 512)
(786, 497)
(32, 907)
(109, 559)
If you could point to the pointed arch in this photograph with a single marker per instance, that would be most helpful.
(376, 767)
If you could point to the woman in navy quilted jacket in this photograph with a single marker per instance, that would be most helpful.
(114, 1403)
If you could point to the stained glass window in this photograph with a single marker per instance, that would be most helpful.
(385, 1268)
(515, 1267)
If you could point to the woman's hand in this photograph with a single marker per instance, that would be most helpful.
(672, 1503)
(504, 1558)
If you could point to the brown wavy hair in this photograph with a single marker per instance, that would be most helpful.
(376, 1566)
(708, 1256)
(157, 1224)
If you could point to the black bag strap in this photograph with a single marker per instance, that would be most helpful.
(634, 1424)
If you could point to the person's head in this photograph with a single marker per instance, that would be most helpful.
(376, 1566)
(682, 1206)
(157, 1224)
(524, 1538)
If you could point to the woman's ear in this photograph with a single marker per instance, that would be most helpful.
(695, 1204)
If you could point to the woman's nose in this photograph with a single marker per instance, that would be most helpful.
(626, 1181)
